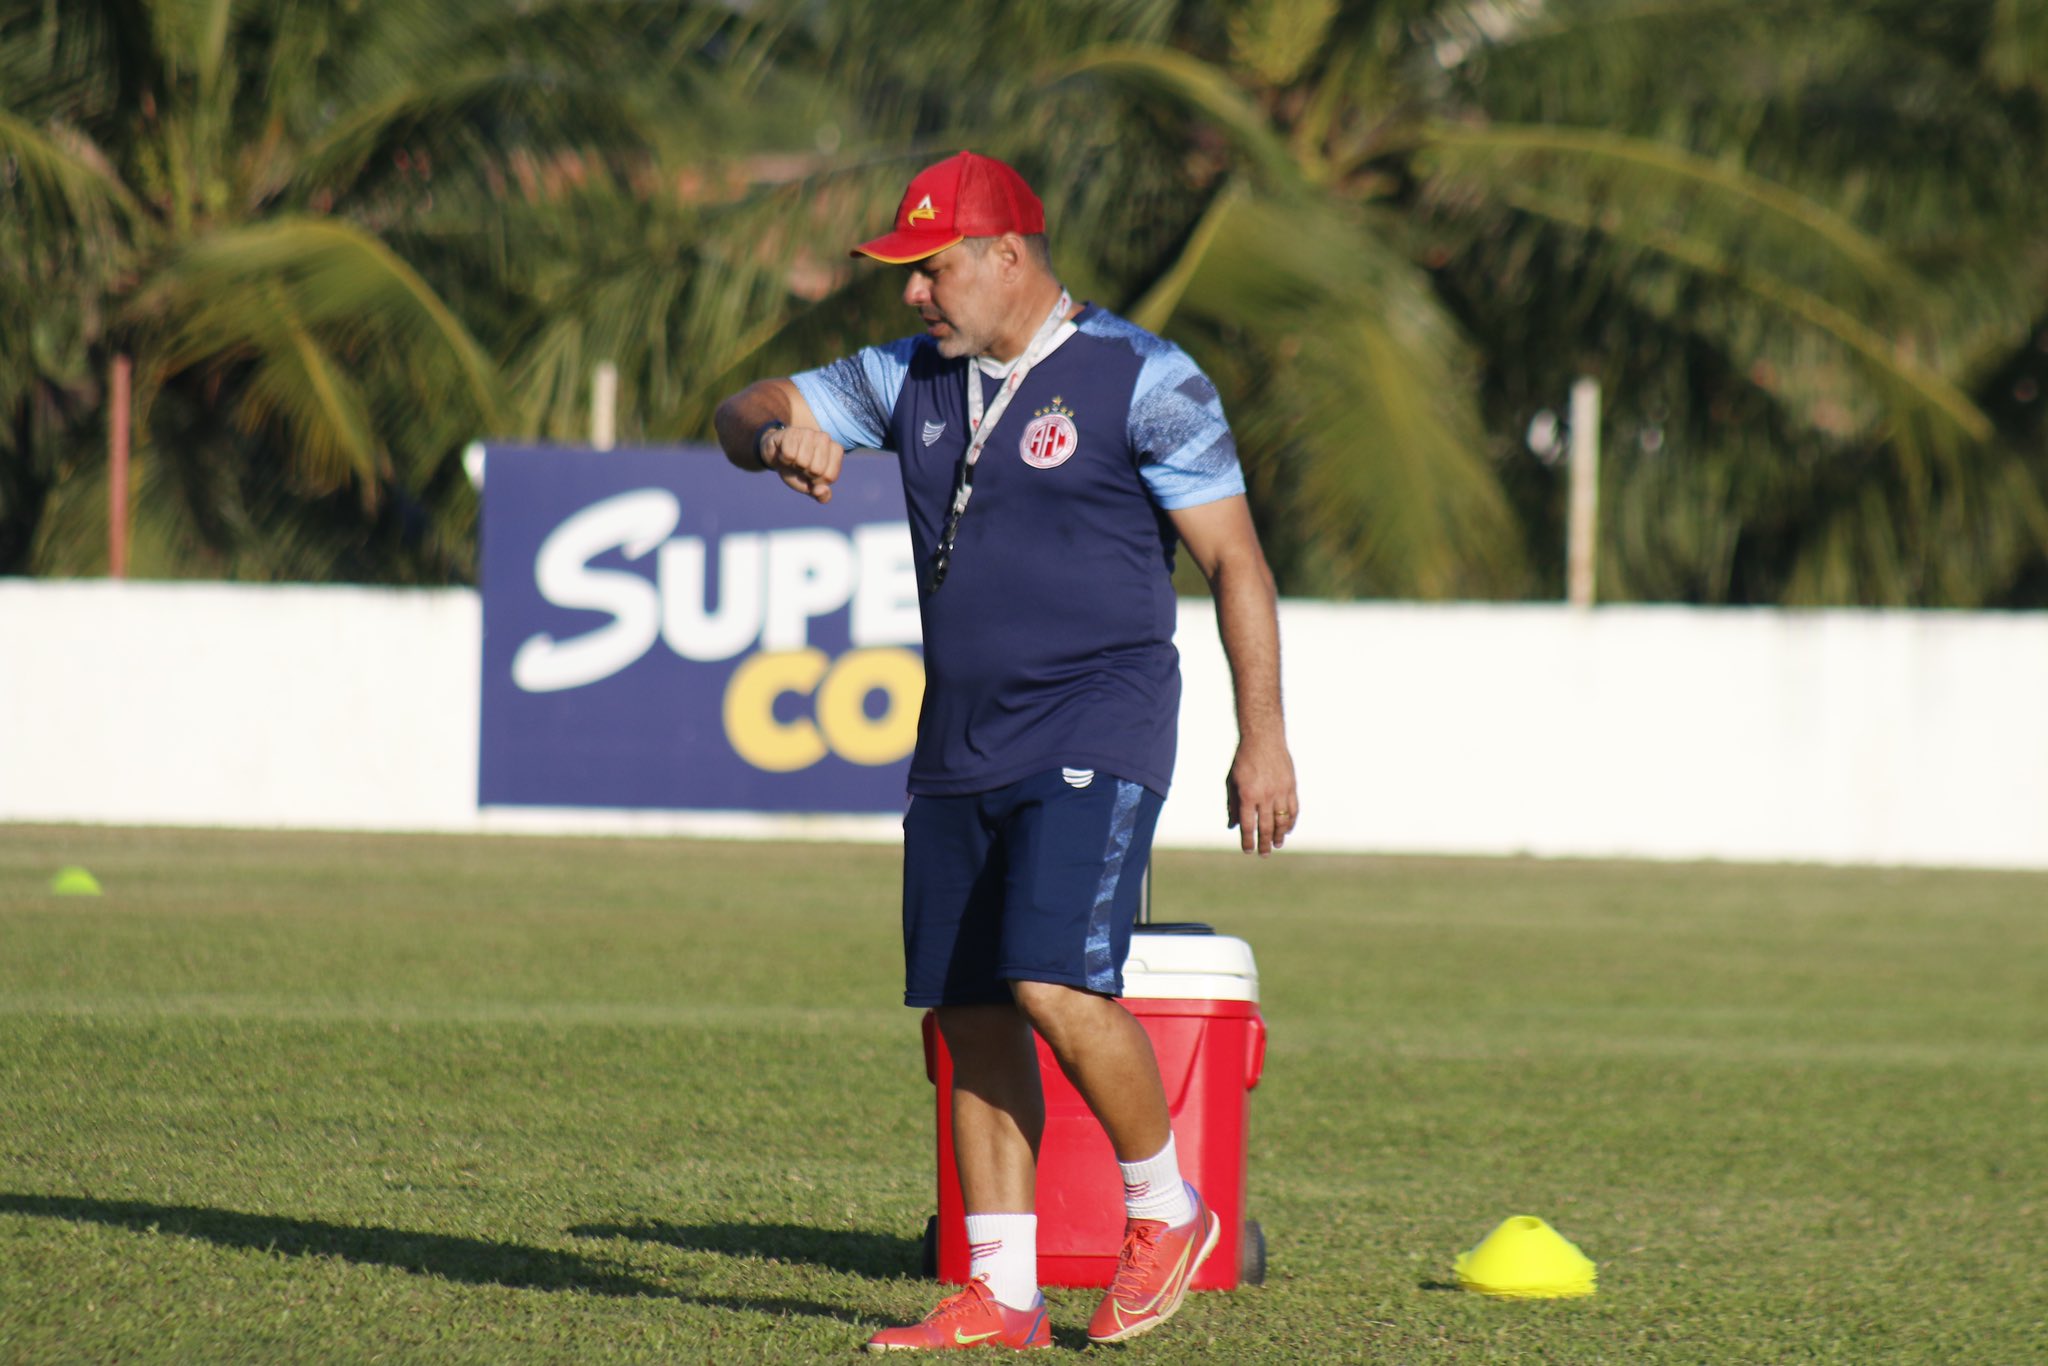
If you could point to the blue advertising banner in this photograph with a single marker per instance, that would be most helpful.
(663, 631)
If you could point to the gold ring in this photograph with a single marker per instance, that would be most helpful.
(1282, 811)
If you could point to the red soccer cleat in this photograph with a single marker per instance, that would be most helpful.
(972, 1318)
(1152, 1273)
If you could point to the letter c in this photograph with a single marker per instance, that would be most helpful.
(750, 724)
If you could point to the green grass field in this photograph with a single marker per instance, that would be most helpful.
(330, 1098)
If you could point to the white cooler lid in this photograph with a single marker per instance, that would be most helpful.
(1190, 967)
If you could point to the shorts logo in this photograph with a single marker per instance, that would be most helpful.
(932, 431)
(1051, 436)
(1078, 777)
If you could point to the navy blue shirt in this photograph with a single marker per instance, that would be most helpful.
(1050, 644)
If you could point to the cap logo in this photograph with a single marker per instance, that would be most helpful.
(924, 210)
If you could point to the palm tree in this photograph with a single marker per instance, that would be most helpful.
(1393, 231)
(1794, 239)
(1458, 153)
(293, 216)
(1112, 171)
(1782, 431)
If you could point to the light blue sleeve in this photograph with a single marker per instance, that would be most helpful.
(853, 398)
(1177, 427)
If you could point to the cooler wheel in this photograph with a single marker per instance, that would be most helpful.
(928, 1255)
(1252, 1259)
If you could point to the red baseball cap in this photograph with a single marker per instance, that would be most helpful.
(963, 196)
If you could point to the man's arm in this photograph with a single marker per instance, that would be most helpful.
(1262, 802)
(807, 459)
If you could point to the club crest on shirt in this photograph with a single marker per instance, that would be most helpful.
(1050, 437)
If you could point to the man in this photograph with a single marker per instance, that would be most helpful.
(1051, 454)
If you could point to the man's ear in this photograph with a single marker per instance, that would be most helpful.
(1014, 254)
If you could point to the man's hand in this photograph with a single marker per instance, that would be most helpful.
(799, 450)
(806, 458)
(1260, 795)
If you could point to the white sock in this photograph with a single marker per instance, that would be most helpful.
(1004, 1248)
(1153, 1188)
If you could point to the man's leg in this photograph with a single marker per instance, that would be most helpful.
(998, 1105)
(1169, 1230)
(952, 910)
(1108, 1056)
(998, 1120)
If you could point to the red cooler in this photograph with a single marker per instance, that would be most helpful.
(1197, 994)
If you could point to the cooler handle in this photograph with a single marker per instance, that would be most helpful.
(1255, 1054)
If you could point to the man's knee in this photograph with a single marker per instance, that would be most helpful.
(1052, 1007)
(989, 1043)
(1036, 998)
(976, 1027)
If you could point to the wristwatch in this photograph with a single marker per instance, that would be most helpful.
(761, 434)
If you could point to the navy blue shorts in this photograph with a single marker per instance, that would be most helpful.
(1034, 882)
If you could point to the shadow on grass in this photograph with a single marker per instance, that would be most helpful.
(471, 1260)
(477, 1261)
(878, 1256)
(882, 1256)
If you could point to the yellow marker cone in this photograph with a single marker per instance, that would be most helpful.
(1526, 1259)
(74, 881)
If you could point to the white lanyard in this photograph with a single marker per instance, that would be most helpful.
(1056, 328)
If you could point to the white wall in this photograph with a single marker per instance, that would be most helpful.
(1855, 737)
(1914, 738)
(209, 704)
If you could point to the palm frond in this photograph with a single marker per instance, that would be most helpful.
(63, 183)
(1364, 401)
(1620, 173)
(307, 302)
(1196, 85)
(2018, 53)
(1922, 389)
(1155, 309)
(297, 389)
